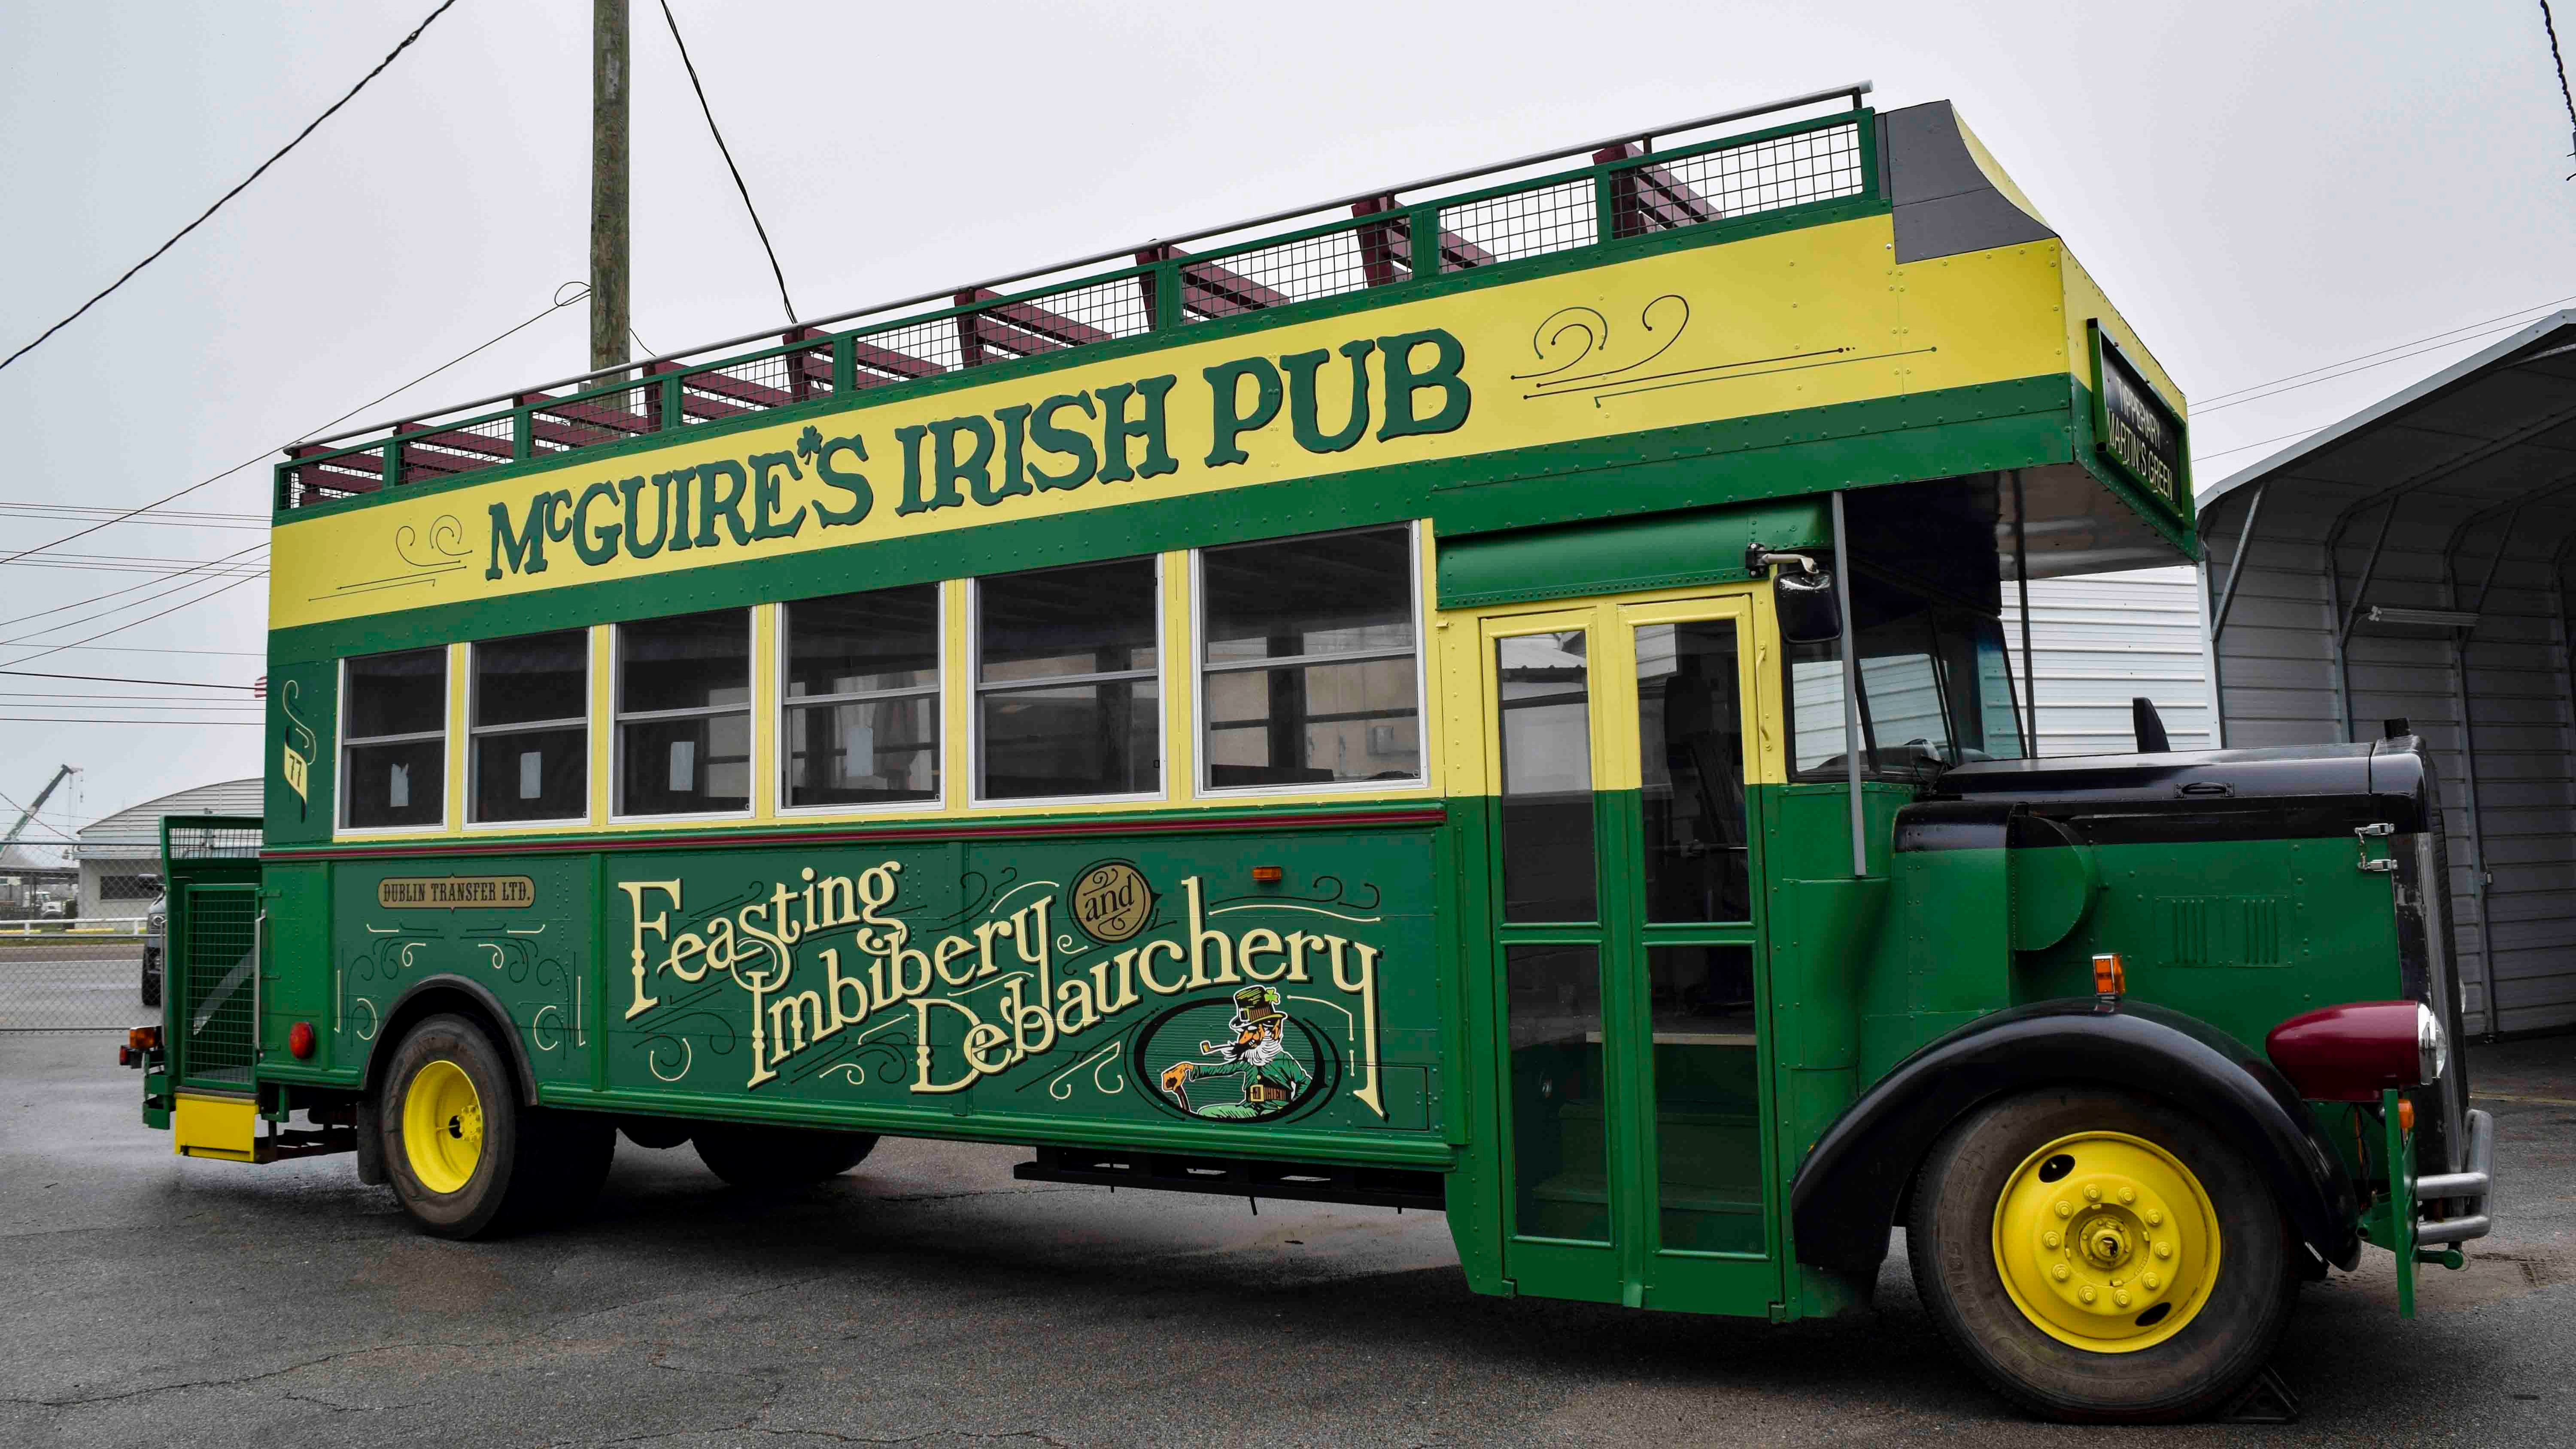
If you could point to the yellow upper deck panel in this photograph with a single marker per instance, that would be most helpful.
(1797, 319)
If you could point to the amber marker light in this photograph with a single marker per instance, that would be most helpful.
(2406, 1114)
(1268, 875)
(299, 1039)
(2110, 978)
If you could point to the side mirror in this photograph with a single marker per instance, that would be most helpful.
(1802, 595)
(1808, 611)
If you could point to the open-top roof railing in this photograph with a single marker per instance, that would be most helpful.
(1630, 189)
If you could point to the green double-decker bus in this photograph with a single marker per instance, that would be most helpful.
(1529, 731)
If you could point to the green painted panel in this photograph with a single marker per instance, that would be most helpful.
(1137, 988)
(1661, 551)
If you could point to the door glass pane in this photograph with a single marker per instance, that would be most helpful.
(1560, 1150)
(1546, 725)
(1691, 760)
(1708, 1132)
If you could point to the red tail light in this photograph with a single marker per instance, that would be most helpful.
(2353, 1052)
(299, 1039)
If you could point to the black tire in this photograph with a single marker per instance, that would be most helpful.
(778, 1157)
(151, 978)
(2201, 1366)
(533, 1166)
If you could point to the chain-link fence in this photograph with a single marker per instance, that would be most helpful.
(101, 974)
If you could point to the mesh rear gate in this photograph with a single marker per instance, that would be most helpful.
(216, 980)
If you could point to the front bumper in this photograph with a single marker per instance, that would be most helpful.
(2467, 1188)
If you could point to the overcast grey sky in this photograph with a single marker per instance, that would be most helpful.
(2264, 188)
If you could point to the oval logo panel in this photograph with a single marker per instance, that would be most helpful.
(1111, 901)
(1238, 1058)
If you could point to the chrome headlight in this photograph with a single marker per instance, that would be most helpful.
(2432, 1044)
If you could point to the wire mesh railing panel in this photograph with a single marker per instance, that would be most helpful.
(73, 976)
(344, 476)
(443, 452)
(999, 329)
(756, 384)
(1521, 224)
(599, 417)
(906, 353)
(214, 983)
(1654, 195)
(1304, 269)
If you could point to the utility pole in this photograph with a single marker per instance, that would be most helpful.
(608, 87)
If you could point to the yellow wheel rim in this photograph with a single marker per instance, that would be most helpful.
(442, 1126)
(2106, 1242)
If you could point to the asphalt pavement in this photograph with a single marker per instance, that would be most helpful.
(930, 1299)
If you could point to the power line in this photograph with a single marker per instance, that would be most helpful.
(114, 593)
(132, 649)
(172, 518)
(2550, 25)
(558, 304)
(146, 619)
(236, 191)
(727, 151)
(115, 679)
(124, 563)
(2420, 345)
(85, 719)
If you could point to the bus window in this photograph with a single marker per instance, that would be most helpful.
(1309, 668)
(862, 706)
(531, 728)
(393, 770)
(1546, 725)
(684, 714)
(1935, 689)
(1067, 698)
(1691, 767)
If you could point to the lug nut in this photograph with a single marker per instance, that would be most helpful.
(2155, 1219)
(2128, 1194)
(2152, 1282)
(2051, 1238)
(2066, 1210)
(2164, 1250)
(2092, 1194)
(2059, 1273)
(2121, 1298)
(2085, 1293)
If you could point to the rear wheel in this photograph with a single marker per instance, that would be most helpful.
(2099, 1256)
(774, 1157)
(465, 1158)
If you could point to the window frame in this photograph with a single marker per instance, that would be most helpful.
(1199, 670)
(975, 691)
(475, 732)
(344, 742)
(619, 718)
(936, 691)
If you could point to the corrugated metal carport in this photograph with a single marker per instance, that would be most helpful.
(2411, 562)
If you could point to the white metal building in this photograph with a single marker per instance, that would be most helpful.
(2410, 563)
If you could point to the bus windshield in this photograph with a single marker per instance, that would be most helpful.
(1936, 689)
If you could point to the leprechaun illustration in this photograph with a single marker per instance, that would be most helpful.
(1258, 1054)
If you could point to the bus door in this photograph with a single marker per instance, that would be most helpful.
(1630, 980)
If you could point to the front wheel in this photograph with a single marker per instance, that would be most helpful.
(151, 977)
(2099, 1256)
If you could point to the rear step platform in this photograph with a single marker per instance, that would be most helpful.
(1394, 1187)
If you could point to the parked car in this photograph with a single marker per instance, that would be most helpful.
(50, 909)
(156, 932)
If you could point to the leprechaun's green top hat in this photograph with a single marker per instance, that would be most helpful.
(1254, 1005)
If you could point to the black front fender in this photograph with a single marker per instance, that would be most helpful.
(1847, 1192)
